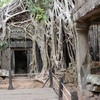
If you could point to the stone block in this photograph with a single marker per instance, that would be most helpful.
(4, 72)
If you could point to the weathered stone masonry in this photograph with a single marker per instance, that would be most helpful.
(86, 13)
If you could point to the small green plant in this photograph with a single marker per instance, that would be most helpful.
(38, 8)
(2, 2)
(2, 45)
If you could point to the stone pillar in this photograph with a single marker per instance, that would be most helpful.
(82, 53)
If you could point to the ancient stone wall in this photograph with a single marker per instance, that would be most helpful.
(94, 42)
(79, 3)
(86, 10)
(6, 59)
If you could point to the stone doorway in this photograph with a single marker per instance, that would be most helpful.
(20, 61)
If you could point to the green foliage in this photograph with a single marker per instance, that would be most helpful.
(38, 8)
(2, 44)
(2, 2)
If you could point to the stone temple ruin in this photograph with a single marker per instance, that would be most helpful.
(18, 50)
(86, 20)
(17, 54)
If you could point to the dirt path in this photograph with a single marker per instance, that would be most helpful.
(21, 83)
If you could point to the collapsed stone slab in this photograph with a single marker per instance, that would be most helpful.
(93, 82)
(4, 72)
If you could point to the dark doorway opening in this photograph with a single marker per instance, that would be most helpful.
(20, 61)
(65, 49)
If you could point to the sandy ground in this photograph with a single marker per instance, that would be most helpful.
(21, 83)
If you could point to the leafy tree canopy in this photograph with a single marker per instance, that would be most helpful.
(3, 2)
(38, 8)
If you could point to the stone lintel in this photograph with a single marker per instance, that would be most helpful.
(90, 8)
(81, 26)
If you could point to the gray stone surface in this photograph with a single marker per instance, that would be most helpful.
(6, 57)
(93, 79)
(29, 94)
(4, 72)
(86, 8)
